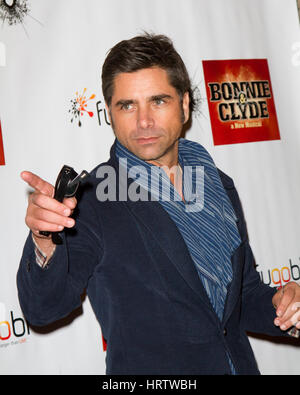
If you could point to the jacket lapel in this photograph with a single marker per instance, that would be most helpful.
(238, 256)
(234, 287)
(168, 237)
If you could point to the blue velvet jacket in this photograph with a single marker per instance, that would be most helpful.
(144, 289)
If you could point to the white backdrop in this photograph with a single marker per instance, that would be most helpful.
(57, 50)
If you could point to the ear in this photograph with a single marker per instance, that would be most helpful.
(186, 106)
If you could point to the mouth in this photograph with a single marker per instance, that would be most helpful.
(146, 140)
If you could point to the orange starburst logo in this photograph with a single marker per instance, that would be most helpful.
(79, 106)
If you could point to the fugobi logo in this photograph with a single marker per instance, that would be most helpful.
(12, 327)
(278, 277)
(240, 101)
(79, 106)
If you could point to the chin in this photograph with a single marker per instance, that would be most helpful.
(148, 153)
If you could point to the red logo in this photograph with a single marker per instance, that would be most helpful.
(2, 159)
(240, 100)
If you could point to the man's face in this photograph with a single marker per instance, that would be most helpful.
(147, 115)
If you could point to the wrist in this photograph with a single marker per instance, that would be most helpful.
(44, 244)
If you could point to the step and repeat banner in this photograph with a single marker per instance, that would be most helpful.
(244, 61)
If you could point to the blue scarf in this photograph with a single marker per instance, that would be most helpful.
(205, 219)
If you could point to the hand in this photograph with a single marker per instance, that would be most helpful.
(43, 211)
(287, 304)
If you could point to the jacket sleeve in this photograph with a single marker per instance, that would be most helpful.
(257, 311)
(46, 295)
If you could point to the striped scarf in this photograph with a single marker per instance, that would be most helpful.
(210, 233)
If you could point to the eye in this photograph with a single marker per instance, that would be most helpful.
(159, 101)
(127, 106)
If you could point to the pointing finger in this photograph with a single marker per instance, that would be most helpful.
(37, 183)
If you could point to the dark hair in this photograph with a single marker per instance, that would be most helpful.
(141, 52)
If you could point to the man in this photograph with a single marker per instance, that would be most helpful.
(170, 277)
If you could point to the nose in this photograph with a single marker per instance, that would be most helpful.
(145, 118)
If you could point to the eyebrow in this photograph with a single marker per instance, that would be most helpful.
(159, 97)
(124, 102)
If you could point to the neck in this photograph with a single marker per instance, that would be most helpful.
(170, 164)
(169, 159)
